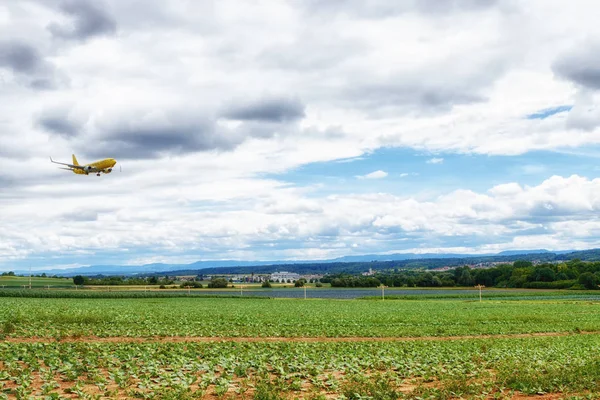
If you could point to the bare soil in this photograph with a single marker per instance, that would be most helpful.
(83, 387)
(244, 388)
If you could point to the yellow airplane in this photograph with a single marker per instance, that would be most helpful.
(103, 166)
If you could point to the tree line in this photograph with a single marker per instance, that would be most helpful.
(122, 280)
(163, 282)
(574, 274)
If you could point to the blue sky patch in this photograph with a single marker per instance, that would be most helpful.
(411, 172)
(547, 112)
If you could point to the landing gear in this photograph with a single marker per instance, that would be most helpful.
(98, 174)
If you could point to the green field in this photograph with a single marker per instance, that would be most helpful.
(36, 282)
(481, 368)
(178, 348)
(292, 318)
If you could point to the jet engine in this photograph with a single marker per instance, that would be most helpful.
(87, 169)
(108, 170)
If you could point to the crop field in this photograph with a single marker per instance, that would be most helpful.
(220, 348)
(291, 318)
(36, 282)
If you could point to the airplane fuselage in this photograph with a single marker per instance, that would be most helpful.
(97, 167)
(104, 166)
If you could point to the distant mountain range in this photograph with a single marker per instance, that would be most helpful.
(347, 263)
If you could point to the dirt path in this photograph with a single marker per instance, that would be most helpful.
(207, 339)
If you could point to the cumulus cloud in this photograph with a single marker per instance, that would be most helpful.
(463, 213)
(383, 8)
(150, 132)
(58, 125)
(27, 64)
(379, 174)
(88, 19)
(20, 57)
(546, 214)
(270, 109)
(580, 65)
(154, 132)
(58, 121)
(585, 114)
(412, 96)
(238, 105)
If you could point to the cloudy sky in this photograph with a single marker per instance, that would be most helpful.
(297, 129)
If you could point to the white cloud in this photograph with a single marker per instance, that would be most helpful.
(260, 220)
(379, 174)
(406, 174)
(204, 103)
(435, 160)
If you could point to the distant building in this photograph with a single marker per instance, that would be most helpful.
(284, 276)
(369, 273)
(245, 278)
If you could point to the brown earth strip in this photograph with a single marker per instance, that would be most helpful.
(207, 339)
(408, 386)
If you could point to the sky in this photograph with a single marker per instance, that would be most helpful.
(296, 129)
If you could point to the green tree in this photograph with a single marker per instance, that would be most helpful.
(466, 279)
(217, 283)
(266, 284)
(78, 280)
(545, 275)
(522, 264)
(484, 277)
(191, 284)
(588, 280)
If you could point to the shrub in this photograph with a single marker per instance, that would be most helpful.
(550, 285)
(218, 283)
(266, 284)
(319, 284)
(78, 280)
(191, 284)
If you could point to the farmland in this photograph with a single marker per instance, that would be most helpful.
(38, 282)
(288, 318)
(291, 348)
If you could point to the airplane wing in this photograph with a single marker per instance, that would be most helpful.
(68, 165)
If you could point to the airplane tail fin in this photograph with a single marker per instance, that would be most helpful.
(75, 160)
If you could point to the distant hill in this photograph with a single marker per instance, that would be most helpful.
(363, 266)
(352, 264)
(583, 255)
